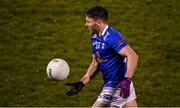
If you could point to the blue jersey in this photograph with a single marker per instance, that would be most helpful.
(106, 48)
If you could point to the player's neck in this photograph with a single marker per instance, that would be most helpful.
(101, 29)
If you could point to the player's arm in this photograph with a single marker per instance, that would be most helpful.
(132, 60)
(120, 46)
(91, 72)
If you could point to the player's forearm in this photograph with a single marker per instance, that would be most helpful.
(132, 61)
(90, 72)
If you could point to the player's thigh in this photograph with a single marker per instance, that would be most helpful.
(99, 104)
(131, 104)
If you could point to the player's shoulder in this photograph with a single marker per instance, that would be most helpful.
(113, 34)
(112, 30)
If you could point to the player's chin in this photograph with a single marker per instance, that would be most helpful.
(91, 32)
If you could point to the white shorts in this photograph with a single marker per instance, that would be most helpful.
(111, 96)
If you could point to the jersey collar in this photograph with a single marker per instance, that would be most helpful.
(104, 30)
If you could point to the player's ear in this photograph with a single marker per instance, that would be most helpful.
(99, 22)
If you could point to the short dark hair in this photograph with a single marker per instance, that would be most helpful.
(97, 12)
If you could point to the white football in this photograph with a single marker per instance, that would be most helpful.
(57, 69)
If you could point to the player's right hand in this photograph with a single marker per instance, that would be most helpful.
(75, 88)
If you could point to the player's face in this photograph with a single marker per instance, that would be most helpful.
(92, 25)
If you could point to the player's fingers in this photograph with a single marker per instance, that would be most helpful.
(121, 92)
(69, 93)
(125, 94)
(69, 84)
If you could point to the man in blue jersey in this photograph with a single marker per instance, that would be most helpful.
(114, 58)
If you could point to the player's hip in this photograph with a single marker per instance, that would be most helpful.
(111, 95)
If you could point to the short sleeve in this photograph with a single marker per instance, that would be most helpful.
(116, 42)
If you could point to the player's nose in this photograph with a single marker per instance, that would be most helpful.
(86, 24)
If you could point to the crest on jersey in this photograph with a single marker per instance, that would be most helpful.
(107, 34)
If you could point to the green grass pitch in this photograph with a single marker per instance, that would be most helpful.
(32, 32)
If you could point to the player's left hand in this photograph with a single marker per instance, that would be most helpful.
(75, 88)
(125, 88)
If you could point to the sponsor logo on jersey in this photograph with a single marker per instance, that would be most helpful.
(98, 58)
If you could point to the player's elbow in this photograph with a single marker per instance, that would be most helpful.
(136, 57)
